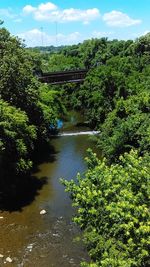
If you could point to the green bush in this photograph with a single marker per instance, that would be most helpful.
(113, 210)
(27, 107)
(126, 127)
(17, 138)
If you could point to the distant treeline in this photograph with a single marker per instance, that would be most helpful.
(47, 49)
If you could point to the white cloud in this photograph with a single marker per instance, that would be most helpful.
(36, 37)
(98, 34)
(47, 7)
(29, 9)
(51, 12)
(119, 19)
(42, 8)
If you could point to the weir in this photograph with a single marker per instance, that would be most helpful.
(78, 133)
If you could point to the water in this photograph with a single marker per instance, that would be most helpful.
(31, 239)
(78, 133)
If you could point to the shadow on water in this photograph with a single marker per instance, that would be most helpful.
(19, 192)
(45, 152)
(16, 192)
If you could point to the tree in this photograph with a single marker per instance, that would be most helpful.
(127, 126)
(17, 84)
(21, 94)
(17, 138)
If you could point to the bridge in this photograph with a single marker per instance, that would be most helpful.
(71, 76)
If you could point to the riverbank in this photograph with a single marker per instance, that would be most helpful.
(47, 240)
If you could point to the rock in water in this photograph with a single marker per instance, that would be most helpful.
(1, 256)
(42, 212)
(8, 259)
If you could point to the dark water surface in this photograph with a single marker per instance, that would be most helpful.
(31, 239)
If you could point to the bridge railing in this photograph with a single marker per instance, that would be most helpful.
(63, 76)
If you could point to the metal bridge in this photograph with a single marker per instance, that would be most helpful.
(71, 76)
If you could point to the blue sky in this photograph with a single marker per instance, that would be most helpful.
(60, 22)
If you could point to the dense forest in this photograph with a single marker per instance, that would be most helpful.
(27, 108)
(112, 198)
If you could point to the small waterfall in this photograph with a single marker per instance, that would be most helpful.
(78, 133)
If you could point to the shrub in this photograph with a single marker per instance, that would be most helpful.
(113, 210)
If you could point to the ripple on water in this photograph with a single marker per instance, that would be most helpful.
(53, 244)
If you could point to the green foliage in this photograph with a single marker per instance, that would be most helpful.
(113, 210)
(51, 105)
(99, 91)
(59, 62)
(142, 45)
(116, 69)
(127, 126)
(15, 71)
(34, 107)
(17, 84)
(17, 138)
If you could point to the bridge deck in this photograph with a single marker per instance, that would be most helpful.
(62, 77)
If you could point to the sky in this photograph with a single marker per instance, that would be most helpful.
(63, 22)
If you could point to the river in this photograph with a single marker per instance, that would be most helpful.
(31, 239)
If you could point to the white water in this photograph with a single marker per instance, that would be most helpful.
(78, 133)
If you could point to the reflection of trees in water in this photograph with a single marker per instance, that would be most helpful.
(19, 191)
